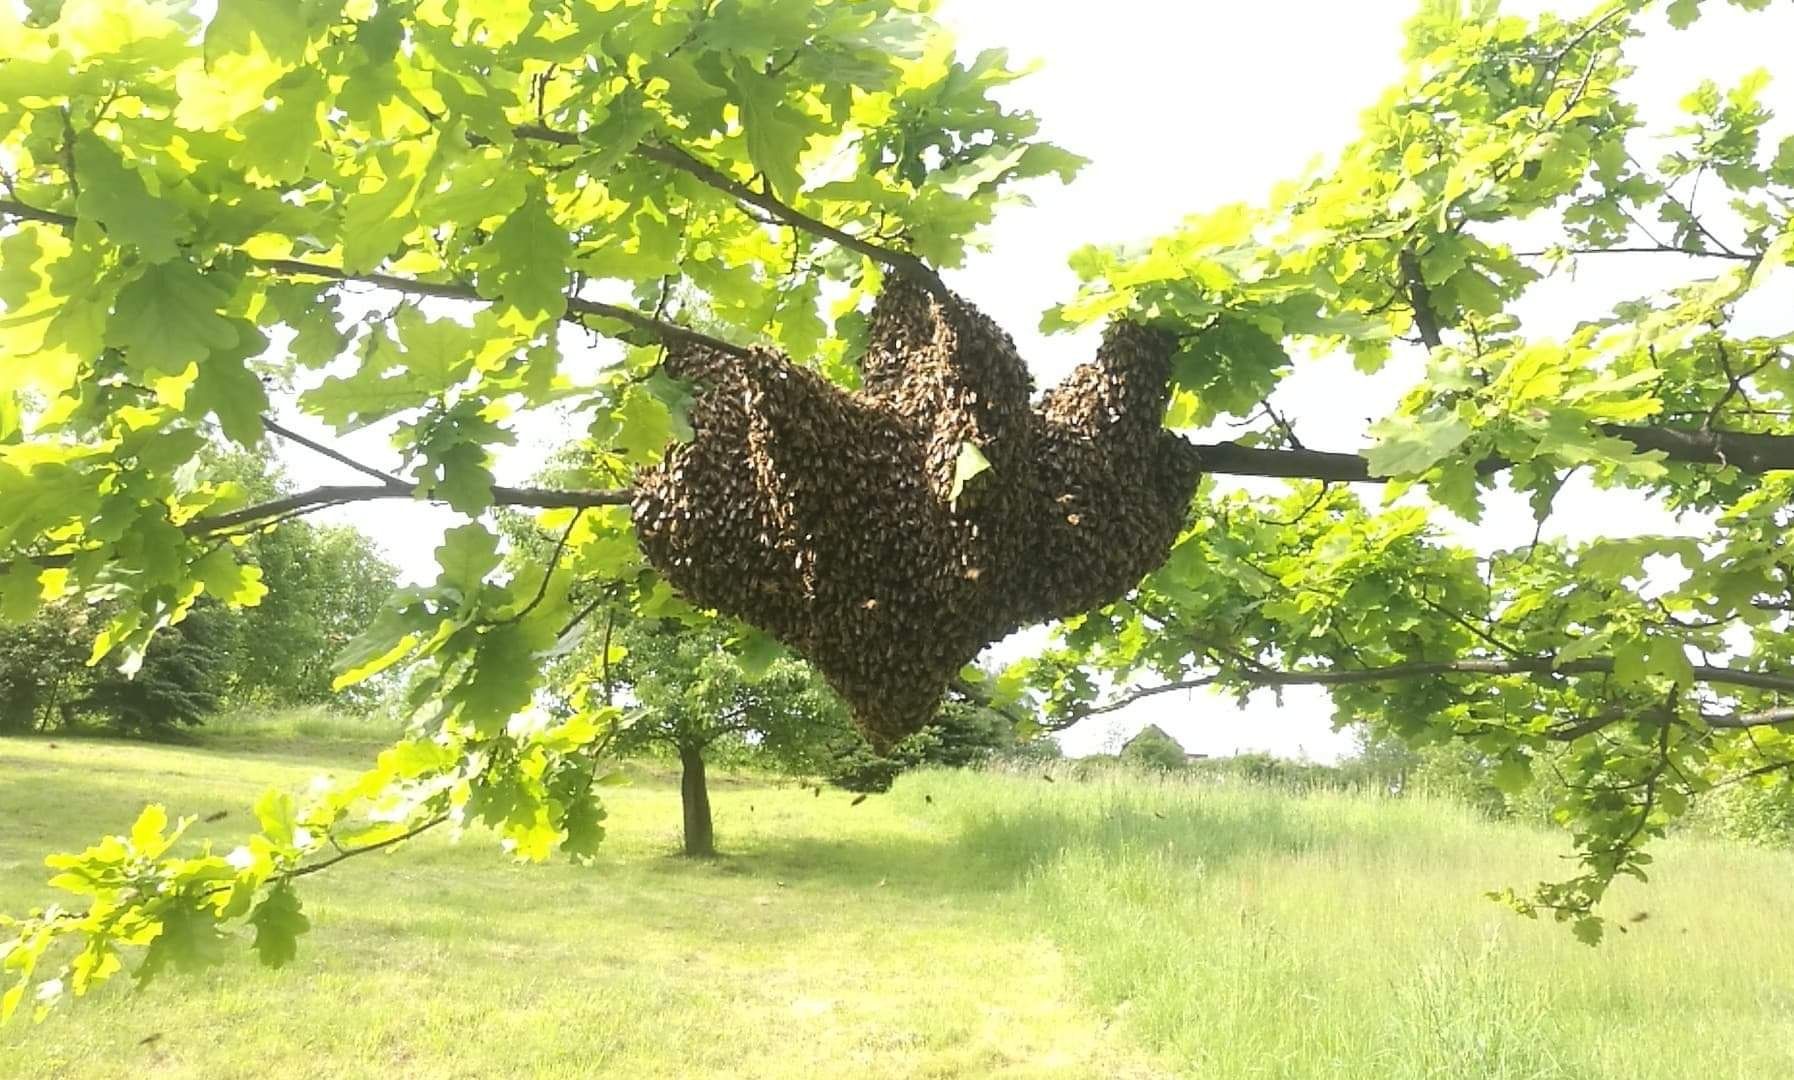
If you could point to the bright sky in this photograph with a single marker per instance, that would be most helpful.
(1184, 107)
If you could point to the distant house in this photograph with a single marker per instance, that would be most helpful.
(1153, 743)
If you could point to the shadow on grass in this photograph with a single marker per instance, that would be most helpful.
(995, 851)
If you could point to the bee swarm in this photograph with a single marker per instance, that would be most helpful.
(827, 517)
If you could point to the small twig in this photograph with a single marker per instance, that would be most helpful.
(554, 562)
(351, 853)
(1654, 249)
(583, 614)
(1320, 497)
(68, 152)
(610, 625)
(334, 455)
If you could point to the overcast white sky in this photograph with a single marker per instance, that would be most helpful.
(1184, 106)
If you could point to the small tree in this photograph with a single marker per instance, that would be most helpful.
(324, 585)
(696, 697)
(961, 736)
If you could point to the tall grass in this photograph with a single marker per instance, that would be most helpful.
(1245, 931)
(318, 725)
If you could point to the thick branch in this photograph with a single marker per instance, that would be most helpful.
(1748, 452)
(1233, 459)
(1766, 718)
(31, 213)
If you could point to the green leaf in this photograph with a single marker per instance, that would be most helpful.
(146, 832)
(231, 582)
(466, 481)
(170, 317)
(644, 423)
(583, 829)
(376, 221)
(1589, 929)
(758, 652)
(776, 133)
(278, 921)
(280, 141)
(278, 817)
(114, 195)
(466, 556)
(1514, 775)
(389, 640)
(1409, 447)
(970, 464)
(190, 940)
(677, 397)
(524, 264)
(279, 27)
(499, 684)
(226, 388)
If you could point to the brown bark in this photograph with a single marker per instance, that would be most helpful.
(694, 794)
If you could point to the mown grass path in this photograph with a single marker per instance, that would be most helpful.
(832, 941)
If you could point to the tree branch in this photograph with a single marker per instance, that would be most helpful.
(350, 853)
(578, 308)
(1420, 298)
(677, 158)
(23, 212)
(1267, 677)
(1654, 249)
(1749, 452)
(320, 497)
(1745, 721)
(554, 564)
(333, 454)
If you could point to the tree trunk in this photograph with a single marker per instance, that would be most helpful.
(700, 837)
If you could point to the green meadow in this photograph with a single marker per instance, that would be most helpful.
(965, 925)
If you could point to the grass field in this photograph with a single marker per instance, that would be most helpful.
(965, 925)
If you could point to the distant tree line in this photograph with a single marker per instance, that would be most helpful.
(1756, 813)
(323, 582)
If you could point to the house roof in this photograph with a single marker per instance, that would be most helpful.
(1155, 731)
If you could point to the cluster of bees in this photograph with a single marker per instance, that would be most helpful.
(831, 518)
